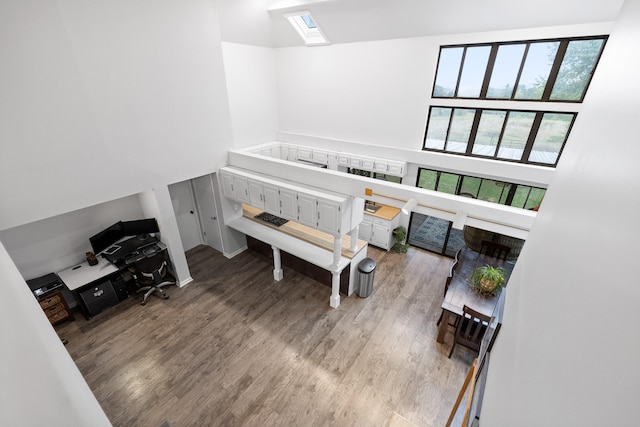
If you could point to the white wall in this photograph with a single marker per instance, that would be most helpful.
(59, 242)
(568, 352)
(40, 384)
(106, 99)
(100, 101)
(375, 92)
(251, 74)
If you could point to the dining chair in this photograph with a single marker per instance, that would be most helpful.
(494, 250)
(470, 330)
(447, 282)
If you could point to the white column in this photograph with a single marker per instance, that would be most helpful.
(337, 251)
(277, 264)
(157, 203)
(334, 301)
(354, 238)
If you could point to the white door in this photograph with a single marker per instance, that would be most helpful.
(203, 190)
(184, 208)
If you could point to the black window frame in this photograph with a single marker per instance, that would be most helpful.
(526, 152)
(508, 199)
(553, 74)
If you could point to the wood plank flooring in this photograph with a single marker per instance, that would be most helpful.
(236, 348)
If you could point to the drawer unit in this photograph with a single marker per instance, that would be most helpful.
(55, 307)
(378, 231)
(98, 297)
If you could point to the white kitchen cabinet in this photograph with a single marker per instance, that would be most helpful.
(329, 216)
(320, 156)
(397, 169)
(380, 166)
(241, 185)
(305, 153)
(328, 212)
(307, 210)
(378, 231)
(226, 181)
(289, 152)
(364, 230)
(276, 153)
(344, 160)
(256, 197)
(271, 197)
(367, 164)
(288, 204)
(380, 235)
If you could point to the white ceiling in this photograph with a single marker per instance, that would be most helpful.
(261, 22)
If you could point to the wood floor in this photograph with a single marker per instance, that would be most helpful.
(236, 348)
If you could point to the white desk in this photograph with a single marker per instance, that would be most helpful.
(82, 274)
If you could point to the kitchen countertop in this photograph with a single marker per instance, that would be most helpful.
(385, 212)
(307, 234)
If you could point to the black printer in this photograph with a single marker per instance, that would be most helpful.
(41, 286)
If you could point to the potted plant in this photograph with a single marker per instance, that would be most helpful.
(488, 279)
(400, 235)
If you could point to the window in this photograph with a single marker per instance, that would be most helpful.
(536, 137)
(307, 28)
(505, 193)
(375, 175)
(557, 70)
(543, 70)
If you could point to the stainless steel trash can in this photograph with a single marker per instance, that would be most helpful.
(366, 272)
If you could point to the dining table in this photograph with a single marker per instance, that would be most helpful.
(461, 291)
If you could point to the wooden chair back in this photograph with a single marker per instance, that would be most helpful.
(494, 250)
(471, 329)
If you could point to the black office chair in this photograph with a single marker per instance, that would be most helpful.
(152, 274)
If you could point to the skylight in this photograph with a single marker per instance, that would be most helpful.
(307, 27)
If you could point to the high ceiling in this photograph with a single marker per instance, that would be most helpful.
(261, 22)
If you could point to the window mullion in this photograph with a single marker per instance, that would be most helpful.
(555, 69)
(446, 139)
(535, 126)
(487, 75)
(522, 62)
(464, 54)
(510, 195)
(473, 132)
(504, 126)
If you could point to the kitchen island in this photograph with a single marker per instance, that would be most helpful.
(308, 245)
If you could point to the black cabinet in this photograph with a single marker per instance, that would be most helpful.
(98, 297)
